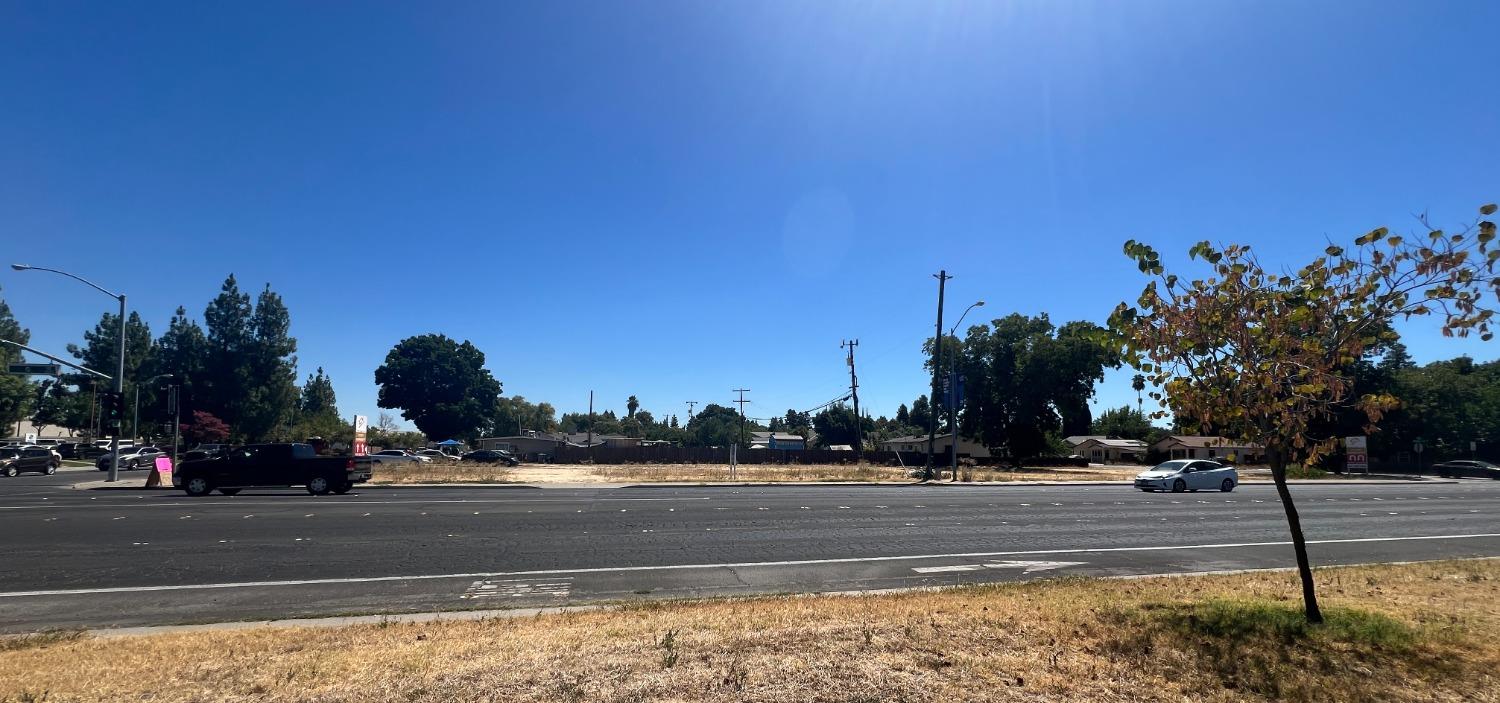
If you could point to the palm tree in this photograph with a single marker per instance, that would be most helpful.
(1139, 384)
(631, 405)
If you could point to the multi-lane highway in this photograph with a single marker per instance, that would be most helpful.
(104, 558)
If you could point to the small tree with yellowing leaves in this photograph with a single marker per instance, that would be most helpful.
(1259, 355)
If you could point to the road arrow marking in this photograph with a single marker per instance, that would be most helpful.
(1026, 566)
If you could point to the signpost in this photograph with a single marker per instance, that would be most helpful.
(36, 369)
(361, 426)
(161, 473)
(1356, 454)
(1417, 447)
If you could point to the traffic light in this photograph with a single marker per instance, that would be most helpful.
(111, 410)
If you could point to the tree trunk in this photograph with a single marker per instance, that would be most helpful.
(1299, 545)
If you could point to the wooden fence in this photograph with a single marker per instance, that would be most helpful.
(720, 455)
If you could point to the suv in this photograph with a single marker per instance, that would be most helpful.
(1467, 467)
(14, 460)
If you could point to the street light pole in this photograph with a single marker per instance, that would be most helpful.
(953, 390)
(114, 444)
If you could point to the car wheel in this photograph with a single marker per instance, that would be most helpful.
(230, 491)
(11, 471)
(343, 488)
(51, 469)
(198, 486)
(319, 486)
(1179, 486)
(1227, 485)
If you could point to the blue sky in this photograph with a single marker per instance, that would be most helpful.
(673, 199)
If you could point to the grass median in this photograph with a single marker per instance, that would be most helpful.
(1424, 632)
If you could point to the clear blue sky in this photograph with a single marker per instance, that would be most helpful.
(673, 199)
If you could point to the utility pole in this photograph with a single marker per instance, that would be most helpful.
(176, 421)
(690, 404)
(859, 430)
(742, 401)
(937, 366)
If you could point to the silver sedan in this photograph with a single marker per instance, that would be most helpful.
(1181, 475)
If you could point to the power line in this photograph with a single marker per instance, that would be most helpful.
(859, 435)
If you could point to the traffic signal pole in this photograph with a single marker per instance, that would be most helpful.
(114, 442)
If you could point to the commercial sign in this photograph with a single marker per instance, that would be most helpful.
(1357, 454)
(161, 474)
(361, 426)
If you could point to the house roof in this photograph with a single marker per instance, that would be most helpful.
(1078, 439)
(780, 437)
(913, 439)
(1114, 443)
(1204, 441)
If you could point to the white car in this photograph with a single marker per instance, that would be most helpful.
(397, 456)
(132, 458)
(1181, 475)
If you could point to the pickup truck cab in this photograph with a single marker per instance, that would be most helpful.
(271, 465)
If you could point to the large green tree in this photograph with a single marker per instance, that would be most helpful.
(515, 414)
(1262, 354)
(836, 424)
(1027, 381)
(271, 396)
(439, 385)
(1123, 422)
(16, 392)
(716, 426)
(227, 381)
(183, 352)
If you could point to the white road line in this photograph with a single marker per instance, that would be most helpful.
(729, 565)
(331, 503)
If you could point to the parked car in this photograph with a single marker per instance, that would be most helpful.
(210, 448)
(132, 458)
(1181, 475)
(395, 457)
(67, 450)
(491, 456)
(435, 455)
(14, 460)
(1471, 468)
(277, 465)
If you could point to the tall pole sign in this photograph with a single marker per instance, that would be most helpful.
(361, 426)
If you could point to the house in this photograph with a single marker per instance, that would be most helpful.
(1078, 439)
(1104, 450)
(528, 446)
(1205, 447)
(918, 443)
(777, 440)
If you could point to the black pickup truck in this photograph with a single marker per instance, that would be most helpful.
(271, 465)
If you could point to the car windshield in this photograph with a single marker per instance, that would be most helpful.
(1172, 466)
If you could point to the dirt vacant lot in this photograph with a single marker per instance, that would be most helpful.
(1427, 632)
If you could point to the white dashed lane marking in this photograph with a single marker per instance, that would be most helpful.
(517, 588)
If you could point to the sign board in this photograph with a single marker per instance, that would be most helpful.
(1356, 454)
(31, 438)
(36, 369)
(361, 427)
(162, 475)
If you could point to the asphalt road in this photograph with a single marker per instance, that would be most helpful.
(108, 558)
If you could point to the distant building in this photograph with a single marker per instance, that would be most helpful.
(918, 443)
(1103, 450)
(1078, 439)
(777, 440)
(1202, 447)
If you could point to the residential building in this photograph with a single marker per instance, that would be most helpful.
(777, 440)
(918, 443)
(1205, 447)
(1104, 450)
(1078, 439)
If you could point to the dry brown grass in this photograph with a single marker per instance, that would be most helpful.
(1396, 633)
(828, 472)
(452, 472)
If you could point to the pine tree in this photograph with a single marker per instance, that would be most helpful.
(272, 370)
(16, 392)
(226, 382)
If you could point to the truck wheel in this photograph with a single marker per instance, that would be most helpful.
(319, 486)
(343, 488)
(198, 486)
(230, 491)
